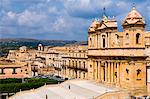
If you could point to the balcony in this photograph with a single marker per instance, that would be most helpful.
(77, 68)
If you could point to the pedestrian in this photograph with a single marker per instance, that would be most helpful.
(46, 96)
(69, 87)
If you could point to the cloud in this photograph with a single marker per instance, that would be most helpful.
(29, 18)
(62, 19)
(11, 15)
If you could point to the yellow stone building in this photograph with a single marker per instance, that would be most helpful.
(75, 62)
(23, 54)
(69, 61)
(119, 58)
(10, 69)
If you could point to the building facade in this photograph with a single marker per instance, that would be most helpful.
(118, 58)
(75, 62)
(10, 69)
(69, 61)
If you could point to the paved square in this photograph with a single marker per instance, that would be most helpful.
(79, 89)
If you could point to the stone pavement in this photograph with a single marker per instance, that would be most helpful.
(79, 89)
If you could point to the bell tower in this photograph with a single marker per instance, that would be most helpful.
(133, 30)
(133, 42)
(40, 47)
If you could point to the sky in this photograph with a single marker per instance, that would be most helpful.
(62, 19)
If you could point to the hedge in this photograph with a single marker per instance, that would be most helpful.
(14, 85)
(10, 80)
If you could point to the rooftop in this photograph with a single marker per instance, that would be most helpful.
(6, 63)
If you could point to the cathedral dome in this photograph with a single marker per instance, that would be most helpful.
(40, 45)
(133, 17)
(133, 14)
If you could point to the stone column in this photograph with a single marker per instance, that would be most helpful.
(106, 73)
(95, 65)
(112, 72)
(109, 72)
(102, 74)
(118, 74)
(95, 70)
(115, 70)
(99, 71)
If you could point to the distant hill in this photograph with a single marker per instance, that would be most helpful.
(7, 44)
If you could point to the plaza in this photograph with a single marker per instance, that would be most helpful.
(79, 89)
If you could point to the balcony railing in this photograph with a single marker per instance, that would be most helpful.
(74, 67)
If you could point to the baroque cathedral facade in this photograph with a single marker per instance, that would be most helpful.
(119, 58)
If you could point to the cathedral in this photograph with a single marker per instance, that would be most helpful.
(119, 58)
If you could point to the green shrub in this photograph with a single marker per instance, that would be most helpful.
(14, 85)
(10, 80)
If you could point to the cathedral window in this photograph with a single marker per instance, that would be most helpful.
(117, 39)
(127, 70)
(127, 36)
(138, 71)
(90, 66)
(127, 39)
(137, 38)
(90, 42)
(116, 74)
(104, 41)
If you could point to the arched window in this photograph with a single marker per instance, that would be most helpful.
(117, 39)
(104, 41)
(137, 38)
(90, 42)
(127, 39)
(127, 36)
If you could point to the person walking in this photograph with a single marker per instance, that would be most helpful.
(69, 87)
(46, 96)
